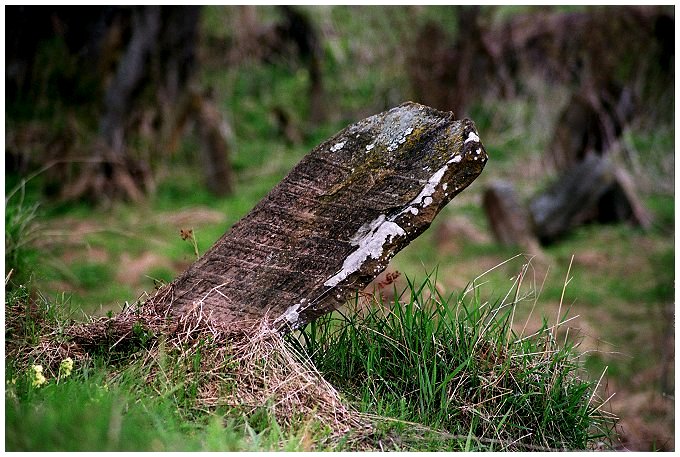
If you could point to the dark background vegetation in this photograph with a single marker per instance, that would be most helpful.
(126, 124)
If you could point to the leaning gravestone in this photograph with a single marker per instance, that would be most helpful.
(594, 189)
(332, 225)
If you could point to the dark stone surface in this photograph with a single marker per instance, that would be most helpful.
(333, 223)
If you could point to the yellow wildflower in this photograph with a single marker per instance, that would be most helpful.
(65, 367)
(38, 377)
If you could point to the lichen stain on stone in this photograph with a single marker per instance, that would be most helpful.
(291, 315)
(337, 146)
(424, 198)
(385, 134)
(394, 128)
(370, 239)
(472, 136)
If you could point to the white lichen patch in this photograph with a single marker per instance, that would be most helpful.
(393, 128)
(429, 188)
(366, 229)
(291, 315)
(424, 198)
(370, 239)
(337, 146)
(472, 136)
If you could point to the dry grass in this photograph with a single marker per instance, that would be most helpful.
(247, 369)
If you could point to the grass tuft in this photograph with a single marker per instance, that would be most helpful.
(21, 232)
(455, 364)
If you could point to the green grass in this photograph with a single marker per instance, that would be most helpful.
(87, 413)
(20, 234)
(454, 364)
(433, 373)
(112, 402)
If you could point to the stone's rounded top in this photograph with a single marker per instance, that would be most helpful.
(409, 137)
(392, 127)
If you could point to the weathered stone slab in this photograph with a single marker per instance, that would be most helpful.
(334, 222)
(509, 220)
(595, 189)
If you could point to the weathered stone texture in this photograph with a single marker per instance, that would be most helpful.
(331, 225)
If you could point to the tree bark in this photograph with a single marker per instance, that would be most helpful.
(213, 133)
(332, 225)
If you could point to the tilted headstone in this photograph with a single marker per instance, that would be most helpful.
(334, 222)
(595, 189)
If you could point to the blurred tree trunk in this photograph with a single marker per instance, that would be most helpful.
(156, 69)
(198, 109)
(159, 55)
(444, 75)
(593, 49)
(298, 28)
(215, 137)
(115, 174)
(293, 39)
